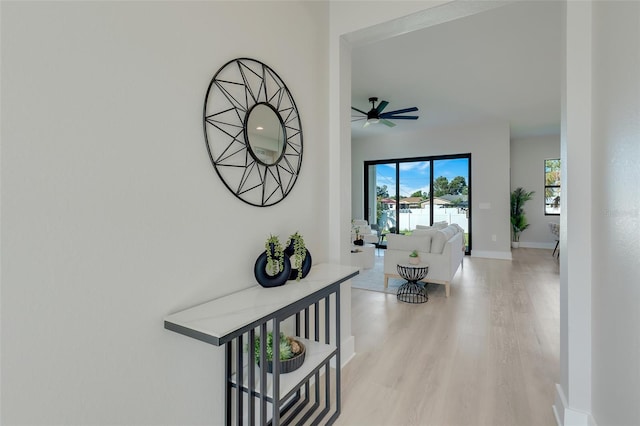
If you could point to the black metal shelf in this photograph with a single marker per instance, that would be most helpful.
(311, 309)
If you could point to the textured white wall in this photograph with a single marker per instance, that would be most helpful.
(527, 171)
(112, 214)
(489, 148)
(616, 213)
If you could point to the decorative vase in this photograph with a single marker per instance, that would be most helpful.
(358, 242)
(414, 260)
(264, 277)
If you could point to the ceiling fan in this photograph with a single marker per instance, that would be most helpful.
(375, 115)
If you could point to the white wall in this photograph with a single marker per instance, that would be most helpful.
(527, 171)
(489, 148)
(616, 213)
(112, 214)
(573, 399)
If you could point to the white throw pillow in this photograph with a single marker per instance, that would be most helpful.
(438, 241)
(421, 242)
(458, 227)
(441, 224)
(449, 232)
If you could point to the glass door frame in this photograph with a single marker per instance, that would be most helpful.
(431, 160)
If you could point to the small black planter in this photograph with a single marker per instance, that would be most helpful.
(266, 280)
(358, 242)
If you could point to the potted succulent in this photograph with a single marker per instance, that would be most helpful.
(292, 353)
(518, 218)
(297, 253)
(275, 255)
(358, 241)
(414, 258)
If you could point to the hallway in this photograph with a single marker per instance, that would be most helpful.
(488, 355)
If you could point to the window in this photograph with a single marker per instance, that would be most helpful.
(398, 193)
(552, 187)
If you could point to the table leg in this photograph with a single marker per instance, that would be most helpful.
(412, 292)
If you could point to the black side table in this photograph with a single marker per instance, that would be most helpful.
(412, 291)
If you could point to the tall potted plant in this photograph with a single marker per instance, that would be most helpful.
(518, 219)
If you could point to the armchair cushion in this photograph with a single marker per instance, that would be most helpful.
(421, 243)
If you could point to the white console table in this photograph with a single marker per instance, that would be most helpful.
(235, 320)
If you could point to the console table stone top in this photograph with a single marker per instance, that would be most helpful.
(219, 320)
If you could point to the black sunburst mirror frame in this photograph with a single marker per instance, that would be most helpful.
(239, 86)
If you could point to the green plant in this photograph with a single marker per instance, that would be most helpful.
(275, 254)
(414, 253)
(288, 347)
(518, 218)
(299, 252)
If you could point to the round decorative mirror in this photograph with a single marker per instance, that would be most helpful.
(253, 132)
(265, 134)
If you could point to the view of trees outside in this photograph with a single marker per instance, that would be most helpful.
(457, 186)
(552, 186)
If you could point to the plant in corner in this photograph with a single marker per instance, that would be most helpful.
(299, 253)
(275, 254)
(414, 258)
(518, 218)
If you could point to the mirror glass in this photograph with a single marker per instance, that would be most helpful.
(265, 134)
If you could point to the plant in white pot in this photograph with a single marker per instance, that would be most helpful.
(414, 258)
(518, 218)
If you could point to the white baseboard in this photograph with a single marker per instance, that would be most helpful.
(348, 351)
(531, 244)
(567, 416)
(503, 255)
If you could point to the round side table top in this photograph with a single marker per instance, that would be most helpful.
(411, 265)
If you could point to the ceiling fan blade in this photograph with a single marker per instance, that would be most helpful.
(357, 118)
(387, 123)
(403, 117)
(366, 123)
(360, 111)
(382, 105)
(399, 111)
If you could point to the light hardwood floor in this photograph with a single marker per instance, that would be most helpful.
(487, 355)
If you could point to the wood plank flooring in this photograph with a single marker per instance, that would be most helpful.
(487, 355)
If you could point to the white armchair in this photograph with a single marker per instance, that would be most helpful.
(361, 227)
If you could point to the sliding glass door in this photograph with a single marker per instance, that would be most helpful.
(402, 194)
(381, 200)
(451, 193)
(414, 184)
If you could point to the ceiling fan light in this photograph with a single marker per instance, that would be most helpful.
(373, 120)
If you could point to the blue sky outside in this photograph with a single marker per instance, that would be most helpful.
(414, 176)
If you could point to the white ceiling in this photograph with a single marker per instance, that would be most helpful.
(499, 65)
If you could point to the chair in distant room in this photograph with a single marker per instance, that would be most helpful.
(555, 230)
